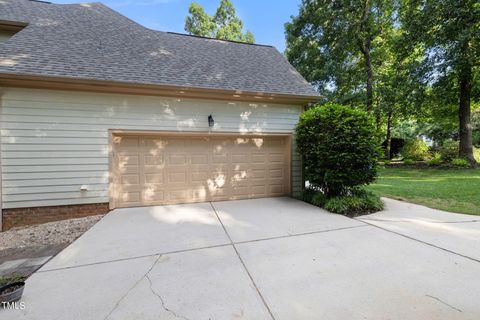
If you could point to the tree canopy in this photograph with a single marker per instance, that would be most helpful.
(401, 60)
(224, 24)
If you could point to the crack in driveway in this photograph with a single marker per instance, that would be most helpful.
(163, 302)
(145, 276)
(117, 304)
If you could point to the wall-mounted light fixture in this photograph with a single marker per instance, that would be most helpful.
(211, 122)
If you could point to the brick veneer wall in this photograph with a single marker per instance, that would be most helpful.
(29, 216)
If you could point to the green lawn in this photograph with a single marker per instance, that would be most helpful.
(450, 190)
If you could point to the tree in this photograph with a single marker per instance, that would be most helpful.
(449, 32)
(224, 24)
(332, 44)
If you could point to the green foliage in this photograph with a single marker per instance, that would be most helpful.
(319, 199)
(436, 160)
(415, 149)
(449, 150)
(308, 194)
(460, 163)
(409, 162)
(330, 52)
(338, 146)
(357, 203)
(476, 127)
(476, 154)
(224, 24)
(447, 33)
(476, 138)
(14, 277)
(419, 53)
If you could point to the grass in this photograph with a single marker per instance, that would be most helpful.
(454, 190)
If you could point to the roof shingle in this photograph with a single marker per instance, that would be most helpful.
(93, 42)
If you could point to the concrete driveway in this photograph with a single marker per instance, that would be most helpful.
(274, 258)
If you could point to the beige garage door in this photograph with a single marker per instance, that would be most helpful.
(152, 170)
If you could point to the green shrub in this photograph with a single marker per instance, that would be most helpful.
(354, 204)
(476, 138)
(338, 147)
(14, 277)
(308, 194)
(449, 150)
(319, 199)
(461, 163)
(409, 162)
(415, 149)
(476, 154)
(435, 160)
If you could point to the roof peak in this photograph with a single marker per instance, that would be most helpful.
(209, 38)
(41, 1)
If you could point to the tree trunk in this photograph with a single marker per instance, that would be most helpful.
(369, 71)
(365, 44)
(465, 126)
(388, 145)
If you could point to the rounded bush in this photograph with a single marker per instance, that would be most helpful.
(415, 149)
(338, 147)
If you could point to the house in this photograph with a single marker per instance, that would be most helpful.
(99, 112)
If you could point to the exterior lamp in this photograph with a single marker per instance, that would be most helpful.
(211, 122)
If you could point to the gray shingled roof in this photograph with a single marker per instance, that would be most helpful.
(91, 41)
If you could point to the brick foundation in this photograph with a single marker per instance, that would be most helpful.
(29, 216)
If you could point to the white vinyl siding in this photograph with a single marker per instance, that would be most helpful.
(52, 142)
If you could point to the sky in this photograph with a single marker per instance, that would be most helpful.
(265, 18)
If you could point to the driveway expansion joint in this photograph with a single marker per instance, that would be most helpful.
(420, 241)
(243, 263)
(409, 221)
(300, 234)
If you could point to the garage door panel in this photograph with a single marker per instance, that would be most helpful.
(177, 178)
(258, 173)
(240, 158)
(199, 159)
(154, 178)
(276, 189)
(161, 170)
(130, 179)
(259, 158)
(220, 159)
(130, 197)
(276, 158)
(277, 173)
(154, 160)
(200, 177)
(177, 160)
(178, 195)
